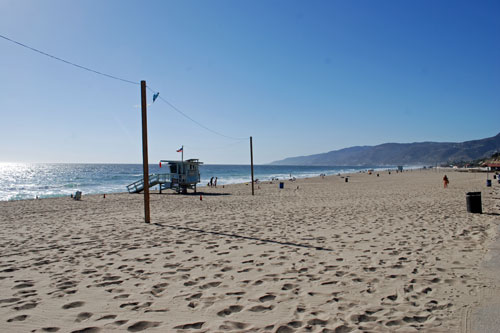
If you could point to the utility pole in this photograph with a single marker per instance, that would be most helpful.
(145, 151)
(251, 161)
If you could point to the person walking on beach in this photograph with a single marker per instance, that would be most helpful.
(445, 181)
(211, 181)
(215, 182)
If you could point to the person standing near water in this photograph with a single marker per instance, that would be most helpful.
(211, 181)
(215, 182)
(445, 181)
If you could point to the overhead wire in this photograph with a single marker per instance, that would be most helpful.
(120, 79)
(194, 121)
(219, 147)
(69, 62)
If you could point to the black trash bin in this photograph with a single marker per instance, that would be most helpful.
(474, 202)
(282, 184)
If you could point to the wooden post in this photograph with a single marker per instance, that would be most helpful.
(145, 151)
(251, 161)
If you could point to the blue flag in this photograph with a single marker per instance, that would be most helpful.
(155, 96)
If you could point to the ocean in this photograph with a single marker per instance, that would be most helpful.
(19, 181)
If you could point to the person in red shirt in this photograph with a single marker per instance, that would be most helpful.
(445, 181)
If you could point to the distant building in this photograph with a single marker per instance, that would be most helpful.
(493, 166)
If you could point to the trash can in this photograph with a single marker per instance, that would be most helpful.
(488, 182)
(346, 179)
(282, 184)
(474, 202)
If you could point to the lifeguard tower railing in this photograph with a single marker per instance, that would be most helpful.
(154, 179)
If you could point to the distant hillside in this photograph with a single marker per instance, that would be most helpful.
(420, 153)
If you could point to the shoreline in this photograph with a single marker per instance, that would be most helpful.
(388, 253)
(380, 169)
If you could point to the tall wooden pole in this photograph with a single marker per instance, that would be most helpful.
(251, 161)
(145, 151)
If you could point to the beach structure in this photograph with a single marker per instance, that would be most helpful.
(179, 176)
(493, 166)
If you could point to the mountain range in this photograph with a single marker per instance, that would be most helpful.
(390, 154)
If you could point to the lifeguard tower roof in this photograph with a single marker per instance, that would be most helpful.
(191, 160)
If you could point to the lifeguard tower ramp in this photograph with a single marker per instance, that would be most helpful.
(181, 176)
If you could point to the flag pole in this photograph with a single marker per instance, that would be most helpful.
(182, 158)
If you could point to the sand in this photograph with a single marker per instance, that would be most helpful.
(395, 253)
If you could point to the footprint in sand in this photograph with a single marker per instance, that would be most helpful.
(17, 318)
(295, 324)
(142, 325)
(83, 316)
(128, 304)
(50, 329)
(356, 319)
(9, 300)
(107, 317)
(88, 330)
(73, 305)
(266, 298)
(158, 289)
(197, 326)
(391, 323)
(415, 319)
(230, 310)
(342, 329)
(261, 308)
(285, 329)
(23, 285)
(210, 285)
(232, 325)
(194, 296)
(26, 306)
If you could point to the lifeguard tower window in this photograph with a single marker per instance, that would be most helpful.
(173, 168)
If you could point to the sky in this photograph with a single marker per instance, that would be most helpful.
(300, 77)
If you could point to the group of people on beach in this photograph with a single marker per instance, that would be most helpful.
(212, 182)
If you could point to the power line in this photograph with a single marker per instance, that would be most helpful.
(194, 121)
(220, 147)
(119, 79)
(69, 62)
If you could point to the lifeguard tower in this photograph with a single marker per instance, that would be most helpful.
(180, 176)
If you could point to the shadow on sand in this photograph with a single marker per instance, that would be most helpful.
(190, 194)
(492, 214)
(218, 233)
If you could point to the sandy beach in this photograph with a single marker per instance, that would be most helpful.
(394, 253)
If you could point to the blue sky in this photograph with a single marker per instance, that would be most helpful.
(301, 77)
